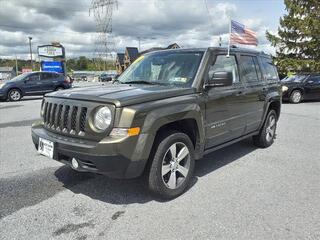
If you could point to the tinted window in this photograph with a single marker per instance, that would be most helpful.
(225, 64)
(269, 69)
(33, 77)
(315, 79)
(46, 76)
(249, 72)
(56, 75)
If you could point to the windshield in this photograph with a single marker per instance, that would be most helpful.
(20, 77)
(295, 78)
(164, 68)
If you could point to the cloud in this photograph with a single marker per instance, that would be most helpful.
(154, 22)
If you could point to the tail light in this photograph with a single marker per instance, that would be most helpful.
(67, 79)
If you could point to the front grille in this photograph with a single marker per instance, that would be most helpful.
(65, 118)
(83, 119)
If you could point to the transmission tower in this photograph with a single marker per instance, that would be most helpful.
(104, 42)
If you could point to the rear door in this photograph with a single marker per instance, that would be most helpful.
(312, 87)
(256, 91)
(48, 81)
(224, 116)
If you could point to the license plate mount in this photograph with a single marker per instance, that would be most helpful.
(46, 147)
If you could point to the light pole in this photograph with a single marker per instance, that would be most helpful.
(30, 38)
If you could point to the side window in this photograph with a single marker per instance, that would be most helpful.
(226, 64)
(270, 71)
(55, 75)
(249, 68)
(315, 79)
(33, 77)
(46, 76)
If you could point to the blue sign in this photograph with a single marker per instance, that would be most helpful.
(52, 66)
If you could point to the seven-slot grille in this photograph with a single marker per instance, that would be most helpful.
(65, 118)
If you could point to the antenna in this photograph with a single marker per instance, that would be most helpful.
(104, 42)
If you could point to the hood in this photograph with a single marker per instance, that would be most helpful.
(123, 94)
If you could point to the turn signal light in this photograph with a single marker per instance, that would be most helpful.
(133, 131)
(125, 132)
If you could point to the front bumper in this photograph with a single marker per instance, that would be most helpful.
(116, 158)
(286, 95)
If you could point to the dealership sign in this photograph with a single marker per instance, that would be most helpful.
(50, 51)
(52, 66)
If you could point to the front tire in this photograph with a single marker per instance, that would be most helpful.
(172, 166)
(296, 96)
(268, 132)
(14, 95)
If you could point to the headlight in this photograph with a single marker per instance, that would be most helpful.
(284, 88)
(102, 119)
(2, 85)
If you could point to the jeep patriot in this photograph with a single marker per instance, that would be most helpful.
(166, 110)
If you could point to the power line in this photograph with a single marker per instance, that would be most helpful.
(104, 44)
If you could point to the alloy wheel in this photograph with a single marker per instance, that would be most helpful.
(15, 95)
(271, 128)
(175, 165)
(296, 97)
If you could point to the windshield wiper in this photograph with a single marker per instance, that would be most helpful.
(141, 82)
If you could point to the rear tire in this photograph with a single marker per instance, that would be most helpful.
(59, 88)
(172, 165)
(268, 132)
(14, 95)
(296, 96)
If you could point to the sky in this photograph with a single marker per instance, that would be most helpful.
(158, 23)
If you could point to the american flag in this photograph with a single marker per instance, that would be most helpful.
(242, 35)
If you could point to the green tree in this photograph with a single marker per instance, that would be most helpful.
(297, 42)
(82, 63)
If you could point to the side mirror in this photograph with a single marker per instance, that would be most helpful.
(220, 79)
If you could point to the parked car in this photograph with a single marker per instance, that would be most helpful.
(301, 87)
(33, 83)
(104, 77)
(164, 112)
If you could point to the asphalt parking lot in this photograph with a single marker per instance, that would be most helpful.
(239, 192)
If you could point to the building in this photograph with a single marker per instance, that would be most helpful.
(6, 73)
(171, 46)
(120, 63)
(130, 55)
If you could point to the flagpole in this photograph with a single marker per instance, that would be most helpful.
(228, 55)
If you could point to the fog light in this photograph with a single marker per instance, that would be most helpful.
(74, 163)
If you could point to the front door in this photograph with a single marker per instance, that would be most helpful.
(224, 118)
(32, 84)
